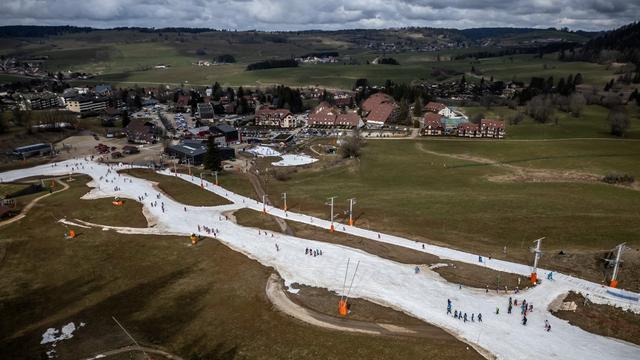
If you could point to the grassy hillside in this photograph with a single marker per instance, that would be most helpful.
(128, 57)
(406, 188)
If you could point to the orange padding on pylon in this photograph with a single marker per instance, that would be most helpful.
(534, 278)
(614, 283)
(342, 307)
(72, 234)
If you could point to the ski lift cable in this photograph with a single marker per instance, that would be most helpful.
(353, 278)
(344, 283)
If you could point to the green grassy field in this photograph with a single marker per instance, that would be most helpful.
(412, 67)
(592, 123)
(127, 58)
(403, 190)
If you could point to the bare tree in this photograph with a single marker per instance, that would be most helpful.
(351, 146)
(577, 102)
(619, 121)
(541, 108)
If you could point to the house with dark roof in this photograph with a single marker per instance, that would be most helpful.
(27, 151)
(380, 109)
(183, 103)
(139, 131)
(192, 152)
(104, 89)
(206, 111)
(229, 132)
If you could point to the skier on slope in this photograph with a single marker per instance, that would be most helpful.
(479, 317)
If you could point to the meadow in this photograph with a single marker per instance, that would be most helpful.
(450, 201)
(128, 58)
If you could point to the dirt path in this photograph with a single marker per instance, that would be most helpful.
(132, 348)
(257, 187)
(26, 209)
(523, 174)
(277, 296)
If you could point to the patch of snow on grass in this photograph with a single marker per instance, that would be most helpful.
(263, 151)
(51, 335)
(294, 160)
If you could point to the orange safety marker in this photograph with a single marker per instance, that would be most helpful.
(72, 234)
(614, 283)
(332, 229)
(194, 239)
(342, 307)
(534, 278)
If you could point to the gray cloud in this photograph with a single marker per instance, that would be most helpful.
(322, 14)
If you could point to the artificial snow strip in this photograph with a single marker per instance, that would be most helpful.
(422, 295)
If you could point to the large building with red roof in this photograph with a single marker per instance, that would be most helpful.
(380, 109)
(325, 115)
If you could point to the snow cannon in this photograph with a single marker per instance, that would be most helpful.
(342, 307)
(534, 278)
(614, 283)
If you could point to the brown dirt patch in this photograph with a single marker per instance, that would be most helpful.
(603, 320)
(198, 302)
(179, 189)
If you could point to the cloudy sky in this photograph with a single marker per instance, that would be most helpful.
(322, 14)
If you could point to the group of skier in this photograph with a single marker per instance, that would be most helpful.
(312, 252)
(208, 230)
(462, 316)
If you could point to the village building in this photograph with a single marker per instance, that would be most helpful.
(194, 151)
(432, 125)
(103, 90)
(325, 115)
(492, 128)
(343, 99)
(206, 111)
(380, 109)
(28, 151)
(86, 105)
(229, 132)
(470, 130)
(139, 131)
(186, 151)
(439, 108)
(43, 101)
(267, 116)
(182, 104)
